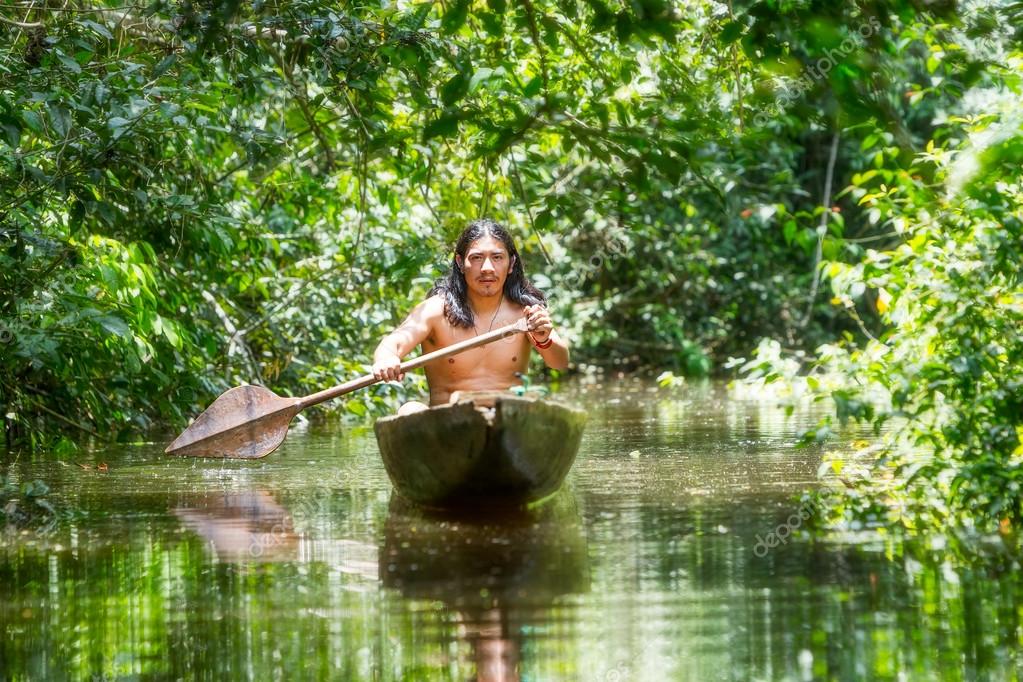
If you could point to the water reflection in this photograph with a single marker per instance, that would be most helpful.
(241, 526)
(494, 571)
(301, 566)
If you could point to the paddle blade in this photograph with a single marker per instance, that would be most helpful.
(246, 422)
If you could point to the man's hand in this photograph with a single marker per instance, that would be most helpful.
(388, 368)
(539, 322)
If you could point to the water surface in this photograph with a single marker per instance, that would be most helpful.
(651, 564)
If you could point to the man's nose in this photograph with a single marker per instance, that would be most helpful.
(488, 265)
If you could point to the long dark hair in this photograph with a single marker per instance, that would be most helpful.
(456, 292)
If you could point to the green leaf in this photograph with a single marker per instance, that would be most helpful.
(417, 19)
(544, 220)
(479, 77)
(60, 119)
(72, 65)
(730, 32)
(550, 34)
(455, 17)
(500, 141)
(169, 332)
(624, 27)
(454, 89)
(532, 88)
(106, 212)
(33, 121)
(492, 23)
(203, 107)
(603, 17)
(115, 326)
(789, 231)
(164, 65)
(622, 114)
(11, 129)
(98, 28)
(445, 126)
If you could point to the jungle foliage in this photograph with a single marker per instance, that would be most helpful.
(199, 194)
(937, 368)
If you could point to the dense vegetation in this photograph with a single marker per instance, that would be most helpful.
(199, 194)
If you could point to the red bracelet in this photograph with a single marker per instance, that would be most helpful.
(544, 345)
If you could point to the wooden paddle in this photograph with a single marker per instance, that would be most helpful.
(249, 422)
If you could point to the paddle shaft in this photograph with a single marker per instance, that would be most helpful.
(518, 327)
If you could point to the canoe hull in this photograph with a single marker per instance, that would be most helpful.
(456, 455)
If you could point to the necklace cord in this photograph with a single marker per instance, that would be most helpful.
(492, 318)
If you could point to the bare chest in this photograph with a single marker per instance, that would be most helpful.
(499, 360)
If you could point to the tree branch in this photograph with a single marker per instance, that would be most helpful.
(822, 229)
(529, 212)
(535, 32)
(21, 24)
(235, 344)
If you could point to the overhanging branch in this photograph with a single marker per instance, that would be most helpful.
(20, 24)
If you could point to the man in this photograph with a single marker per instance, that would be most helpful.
(485, 289)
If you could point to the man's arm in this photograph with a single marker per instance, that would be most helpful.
(551, 347)
(413, 331)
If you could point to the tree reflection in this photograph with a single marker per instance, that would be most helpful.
(491, 571)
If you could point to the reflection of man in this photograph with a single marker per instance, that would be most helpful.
(486, 289)
(497, 650)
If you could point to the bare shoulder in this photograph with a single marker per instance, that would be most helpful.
(422, 319)
(428, 316)
(427, 309)
(431, 310)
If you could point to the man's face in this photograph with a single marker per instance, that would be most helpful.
(486, 266)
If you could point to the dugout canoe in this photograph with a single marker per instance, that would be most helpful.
(516, 452)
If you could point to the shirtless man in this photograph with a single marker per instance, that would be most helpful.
(486, 289)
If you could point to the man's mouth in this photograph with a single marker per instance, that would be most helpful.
(488, 281)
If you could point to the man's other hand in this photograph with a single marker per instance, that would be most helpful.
(539, 322)
(388, 368)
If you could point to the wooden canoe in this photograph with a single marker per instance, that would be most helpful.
(513, 453)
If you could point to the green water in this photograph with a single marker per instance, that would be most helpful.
(645, 567)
